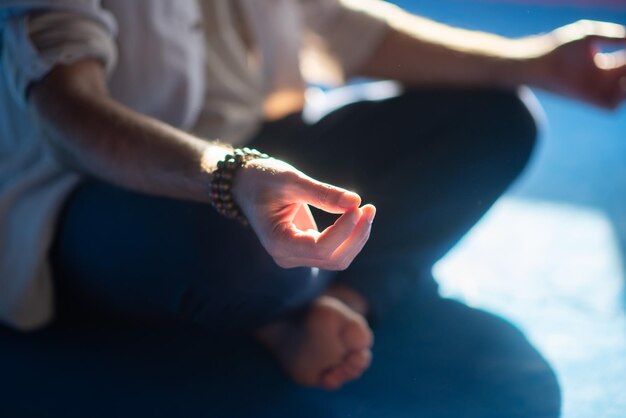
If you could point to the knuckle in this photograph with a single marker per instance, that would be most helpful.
(291, 176)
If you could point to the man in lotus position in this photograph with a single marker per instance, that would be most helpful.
(109, 160)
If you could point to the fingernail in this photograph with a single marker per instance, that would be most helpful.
(349, 199)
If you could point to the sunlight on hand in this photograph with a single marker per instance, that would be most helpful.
(583, 28)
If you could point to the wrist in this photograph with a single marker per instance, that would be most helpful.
(529, 61)
(213, 153)
(222, 191)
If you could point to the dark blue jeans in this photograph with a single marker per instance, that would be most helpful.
(432, 161)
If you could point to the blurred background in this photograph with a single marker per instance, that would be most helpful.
(551, 255)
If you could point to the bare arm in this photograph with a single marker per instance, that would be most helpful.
(417, 51)
(93, 133)
(96, 135)
(420, 51)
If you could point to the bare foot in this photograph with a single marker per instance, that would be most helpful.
(326, 347)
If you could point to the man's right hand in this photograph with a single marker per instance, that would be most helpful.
(572, 65)
(274, 196)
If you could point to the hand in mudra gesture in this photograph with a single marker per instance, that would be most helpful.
(572, 64)
(275, 198)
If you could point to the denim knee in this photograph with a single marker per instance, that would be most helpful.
(243, 302)
(519, 115)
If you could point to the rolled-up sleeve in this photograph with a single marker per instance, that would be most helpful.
(346, 31)
(44, 34)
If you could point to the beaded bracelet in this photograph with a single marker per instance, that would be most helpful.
(222, 181)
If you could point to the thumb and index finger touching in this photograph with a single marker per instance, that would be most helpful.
(613, 62)
(332, 199)
(610, 86)
(351, 228)
(324, 196)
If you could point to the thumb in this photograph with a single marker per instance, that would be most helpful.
(324, 196)
(611, 60)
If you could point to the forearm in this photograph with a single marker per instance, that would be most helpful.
(418, 51)
(93, 134)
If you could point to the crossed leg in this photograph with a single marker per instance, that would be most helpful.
(137, 257)
(433, 162)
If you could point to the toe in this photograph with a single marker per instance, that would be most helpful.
(333, 379)
(350, 372)
(340, 375)
(357, 335)
(327, 348)
(360, 360)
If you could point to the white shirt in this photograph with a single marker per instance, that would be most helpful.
(185, 62)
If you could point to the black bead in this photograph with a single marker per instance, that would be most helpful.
(220, 187)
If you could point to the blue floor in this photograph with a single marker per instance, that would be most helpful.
(535, 326)
(551, 256)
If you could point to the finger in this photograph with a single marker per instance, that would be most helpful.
(360, 359)
(346, 253)
(325, 196)
(610, 60)
(305, 248)
(288, 242)
(291, 247)
(303, 219)
(333, 236)
(332, 379)
(300, 254)
(592, 30)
